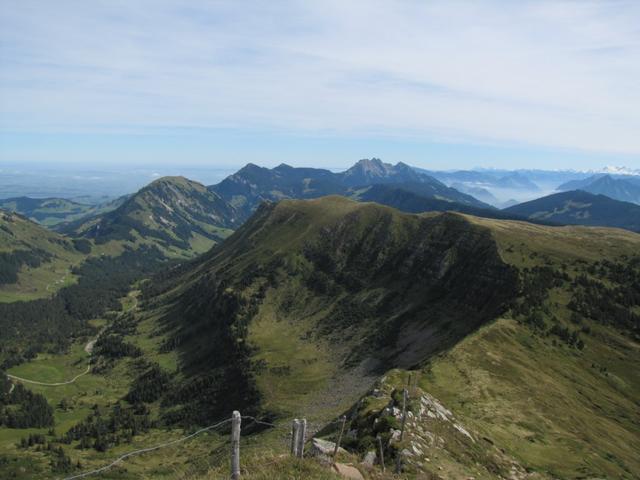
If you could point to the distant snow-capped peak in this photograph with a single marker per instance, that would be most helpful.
(617, 170)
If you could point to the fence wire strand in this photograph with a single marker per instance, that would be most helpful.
(146, 450)
(218, 455)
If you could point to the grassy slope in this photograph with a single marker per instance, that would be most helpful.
(51, 275)
(549, 405)
(48, 211)
(581, 208)
(54, 212)
(104, 390)
(179, 216)
(319, 350)
(205, 456)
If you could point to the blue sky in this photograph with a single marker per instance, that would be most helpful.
(220, 83)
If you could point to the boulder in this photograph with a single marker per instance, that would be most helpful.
(369, 459)
(323, 448)
(347, 471)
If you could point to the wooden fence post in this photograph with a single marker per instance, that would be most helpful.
(335, 450)
(404, 421)
(302, 433)
(295, 431)
(381, 453)
(404, 413)
(236, 420)
(399, 462)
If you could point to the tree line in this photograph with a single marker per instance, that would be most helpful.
(50, 324)
(22, 408)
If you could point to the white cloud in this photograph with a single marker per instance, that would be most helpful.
(556, 73)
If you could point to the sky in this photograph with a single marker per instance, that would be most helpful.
(437, 84)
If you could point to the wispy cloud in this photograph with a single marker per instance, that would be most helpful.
(550, 73)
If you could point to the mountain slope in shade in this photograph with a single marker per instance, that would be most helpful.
(251, 185)
(375, 172)
(34, 262)
(581, 208)
(480, 193)
(579, 184)
(499, 179)
(404, 197)
(618, 188)
(178, 215)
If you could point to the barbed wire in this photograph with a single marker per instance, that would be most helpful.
(148, 449)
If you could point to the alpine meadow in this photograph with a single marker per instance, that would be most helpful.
(205, 274)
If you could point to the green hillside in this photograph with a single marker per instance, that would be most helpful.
(581, 208)
(54, 212)
(34, 262)
(177, 215)
(331, 291)
(518, 343)
(46, 211)
(408, 197)
(552, 382)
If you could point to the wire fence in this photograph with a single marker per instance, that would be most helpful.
(148, 449)
(252, 445)
(294, 441)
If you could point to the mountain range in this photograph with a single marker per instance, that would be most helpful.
(183, 218)
(251, 185)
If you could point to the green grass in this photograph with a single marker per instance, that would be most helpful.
(51, 275)
(545, 404)
(294, 368)
(524, 244)
(54, 368)
(149, 341)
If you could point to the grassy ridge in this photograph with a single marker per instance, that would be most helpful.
(547, 405)
(558, 409)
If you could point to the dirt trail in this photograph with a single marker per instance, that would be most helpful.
(88, 348)
(60, 280)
